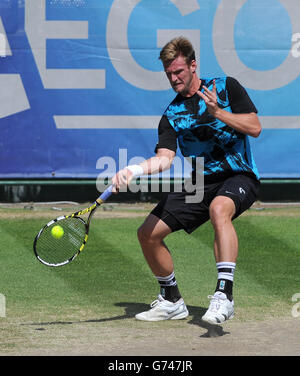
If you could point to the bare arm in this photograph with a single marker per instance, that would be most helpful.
(245, 123)
(160, 162)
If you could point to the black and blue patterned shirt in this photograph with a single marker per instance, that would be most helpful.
(199, 134)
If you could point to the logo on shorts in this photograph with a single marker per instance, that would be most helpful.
(242, 190)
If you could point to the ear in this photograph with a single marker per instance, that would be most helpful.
(193, 66)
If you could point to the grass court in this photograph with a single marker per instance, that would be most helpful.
(88, 306)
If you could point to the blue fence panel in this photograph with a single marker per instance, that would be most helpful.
(82, 88)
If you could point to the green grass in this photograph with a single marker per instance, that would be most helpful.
(111, 278)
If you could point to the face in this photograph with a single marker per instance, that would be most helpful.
(180, 75)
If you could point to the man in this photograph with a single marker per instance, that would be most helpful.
(209, 118)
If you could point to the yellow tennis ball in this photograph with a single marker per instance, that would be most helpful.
(57, 232)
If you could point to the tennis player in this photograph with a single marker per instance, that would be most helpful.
(210, 118)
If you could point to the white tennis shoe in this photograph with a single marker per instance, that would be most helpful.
(220, 309)
(162, 309)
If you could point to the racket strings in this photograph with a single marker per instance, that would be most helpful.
(58, 250)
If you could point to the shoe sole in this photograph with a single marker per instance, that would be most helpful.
(180, 316)
(210, 321)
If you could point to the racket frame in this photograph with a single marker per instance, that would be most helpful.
(91, 209)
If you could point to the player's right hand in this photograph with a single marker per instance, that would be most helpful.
(121, 179)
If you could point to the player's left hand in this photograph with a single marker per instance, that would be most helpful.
(210, 97)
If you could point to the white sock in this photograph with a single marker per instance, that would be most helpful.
(168, 287)
(226, 270)
(225, 278)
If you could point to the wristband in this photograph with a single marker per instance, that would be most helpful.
(136, 170)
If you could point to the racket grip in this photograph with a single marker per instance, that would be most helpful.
(105, 195)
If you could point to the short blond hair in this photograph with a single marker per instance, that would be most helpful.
(179, 46)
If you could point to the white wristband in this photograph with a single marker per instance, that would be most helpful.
(136, 170)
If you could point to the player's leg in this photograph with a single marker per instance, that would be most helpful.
(221, 308)
(222, 210)
(169, 304)
(151, 235)
(235, 196)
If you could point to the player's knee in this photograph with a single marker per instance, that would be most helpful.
(220, 212)
(143, 235)
(215, 211)
(146, 235)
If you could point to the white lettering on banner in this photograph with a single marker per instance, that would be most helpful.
(187, 6)
(4, 45)
(119, 51)
(224, 46)
(39, 30)
(130, 70)
(13, 98)
(296, 46)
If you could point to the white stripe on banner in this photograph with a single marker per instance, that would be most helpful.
(280, 122)
(151, 122)
(106, 122)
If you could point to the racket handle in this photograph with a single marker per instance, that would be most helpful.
(105, 195)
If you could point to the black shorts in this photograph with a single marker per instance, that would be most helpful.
(178, 214)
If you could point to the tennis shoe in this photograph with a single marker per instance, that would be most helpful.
(162, 309)
(220, 309)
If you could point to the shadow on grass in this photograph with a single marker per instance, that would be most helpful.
(131, 309)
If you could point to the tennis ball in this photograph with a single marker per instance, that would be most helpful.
(57, 232)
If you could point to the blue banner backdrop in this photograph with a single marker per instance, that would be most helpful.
(81, 82)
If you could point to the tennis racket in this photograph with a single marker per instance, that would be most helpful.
(53, 249)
